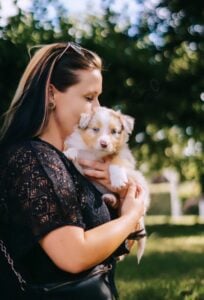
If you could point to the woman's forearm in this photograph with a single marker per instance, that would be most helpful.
(74, 250)
(103, 240)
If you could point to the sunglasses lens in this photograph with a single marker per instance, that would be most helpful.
(77, 48)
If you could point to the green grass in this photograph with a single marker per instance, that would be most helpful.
(171, 269)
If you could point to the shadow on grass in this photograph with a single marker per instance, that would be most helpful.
(165, 264)
(169, 230)
(162, 276)
(168, 275)
(162, 265)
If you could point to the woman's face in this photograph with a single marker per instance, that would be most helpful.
(79, 98)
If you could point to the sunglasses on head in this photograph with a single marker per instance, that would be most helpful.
(70, 45)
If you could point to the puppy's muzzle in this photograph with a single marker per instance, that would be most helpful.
(103, 144)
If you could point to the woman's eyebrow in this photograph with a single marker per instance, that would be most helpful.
(94, 92)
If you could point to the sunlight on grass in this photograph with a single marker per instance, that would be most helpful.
(188, 244)
(171, 269)
(163, 219)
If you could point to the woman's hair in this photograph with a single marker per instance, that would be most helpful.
(53, 64)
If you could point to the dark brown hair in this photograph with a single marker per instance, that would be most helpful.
(52, 64)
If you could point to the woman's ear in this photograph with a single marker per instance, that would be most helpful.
(51, 98)
(84, 120)
(51, 91)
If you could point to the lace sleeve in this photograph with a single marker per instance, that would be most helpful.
(43, 190)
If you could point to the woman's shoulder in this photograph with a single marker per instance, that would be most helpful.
(33, 150)
(15, 152)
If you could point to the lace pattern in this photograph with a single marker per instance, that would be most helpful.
(43, 191)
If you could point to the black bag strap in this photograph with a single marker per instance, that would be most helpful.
(10, 262)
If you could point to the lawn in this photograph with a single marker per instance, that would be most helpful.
(171, 269)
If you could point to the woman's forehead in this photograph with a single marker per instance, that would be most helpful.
(92, 76)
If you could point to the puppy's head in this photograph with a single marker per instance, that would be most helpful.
(105, 130)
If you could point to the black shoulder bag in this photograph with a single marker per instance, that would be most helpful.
(97, 284)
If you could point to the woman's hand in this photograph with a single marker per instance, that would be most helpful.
(132, 203)
(99, 172)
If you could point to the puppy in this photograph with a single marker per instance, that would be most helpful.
(105, 133)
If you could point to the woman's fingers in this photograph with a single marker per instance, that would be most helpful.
(92, 164)
(94, 169)
(99, 171)
(95, 173)
(138, 190)
(131, 192)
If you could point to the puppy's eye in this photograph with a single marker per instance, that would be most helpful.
(95, 129)
(114, 131)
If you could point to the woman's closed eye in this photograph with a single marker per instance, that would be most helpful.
(90, 98)
(93, 96)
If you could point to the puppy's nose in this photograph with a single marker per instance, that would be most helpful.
(103, 144)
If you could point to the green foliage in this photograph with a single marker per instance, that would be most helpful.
(159, 82)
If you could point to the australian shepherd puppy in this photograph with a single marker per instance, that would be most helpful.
(105, 133)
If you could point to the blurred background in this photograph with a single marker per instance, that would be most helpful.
(153, 54)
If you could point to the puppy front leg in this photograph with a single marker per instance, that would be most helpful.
(71, 153)
(118, 176)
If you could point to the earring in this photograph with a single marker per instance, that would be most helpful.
(51, 105)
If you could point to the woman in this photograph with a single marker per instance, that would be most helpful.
(54, 224)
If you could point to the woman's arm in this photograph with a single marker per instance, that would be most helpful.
(74, 250)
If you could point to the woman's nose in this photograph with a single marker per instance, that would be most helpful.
(96, 103)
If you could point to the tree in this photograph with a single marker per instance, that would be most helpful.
(180, 27)
(154, 72)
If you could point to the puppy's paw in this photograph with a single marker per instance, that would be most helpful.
(118, 176)
(71, 153)
(111, 200)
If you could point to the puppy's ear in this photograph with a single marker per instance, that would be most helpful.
(84, 120)
(128, 123)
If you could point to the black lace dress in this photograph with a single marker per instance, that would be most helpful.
(41, 190)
